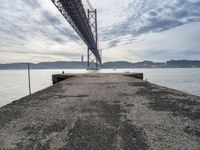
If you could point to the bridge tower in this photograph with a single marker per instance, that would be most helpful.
(91, 59)
(84, 23)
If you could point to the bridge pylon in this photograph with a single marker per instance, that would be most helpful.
(92, 62)
(84, 23)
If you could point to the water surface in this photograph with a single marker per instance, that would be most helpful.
(14, 83)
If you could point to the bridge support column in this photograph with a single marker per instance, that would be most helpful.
(93, 63)
(85, 25)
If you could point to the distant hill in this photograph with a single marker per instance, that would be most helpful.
(124, 64)
(183, 64)
(116, 64)
(45, 65)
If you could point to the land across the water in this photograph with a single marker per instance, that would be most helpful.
(102, 112)
(105, 65)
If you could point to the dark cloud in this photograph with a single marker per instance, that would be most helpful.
(153, 13)
(19, 24)
(154, 16)
(158, 25)
(59, 40)
(181, 14)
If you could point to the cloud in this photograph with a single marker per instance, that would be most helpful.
(36, 27)
(178, 43)
(33, 21)
(144, 16)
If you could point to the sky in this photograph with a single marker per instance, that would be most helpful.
(129, 30)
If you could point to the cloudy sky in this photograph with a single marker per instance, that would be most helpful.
(130, 30)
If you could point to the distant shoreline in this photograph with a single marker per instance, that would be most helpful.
(106, 65)
(86, 69)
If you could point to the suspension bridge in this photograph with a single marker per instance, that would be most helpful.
(84, 21)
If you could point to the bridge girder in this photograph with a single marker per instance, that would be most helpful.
(73, 11)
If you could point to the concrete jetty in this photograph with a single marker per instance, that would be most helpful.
(102, 112)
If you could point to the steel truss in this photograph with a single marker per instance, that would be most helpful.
(92, 17)
(84, 24)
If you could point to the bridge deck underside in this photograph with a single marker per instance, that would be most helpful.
(74, 13)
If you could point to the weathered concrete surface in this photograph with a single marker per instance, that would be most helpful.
(102, 112)
(60, 77)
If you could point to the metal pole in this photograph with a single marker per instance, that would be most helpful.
(29, 79)
(88, 50)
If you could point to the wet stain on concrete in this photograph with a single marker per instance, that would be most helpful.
(130, 105)
(13, 113)
(123, 94)
(110, 133)
(112, 113)
(33, 144)
(195, 131)
(179, 105)
(86, 135)
(17, 108)
(106, 128)
(117, 102)
(110, 86)
(133, 137)
(37, 135)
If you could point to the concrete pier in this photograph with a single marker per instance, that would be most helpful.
(102, 112)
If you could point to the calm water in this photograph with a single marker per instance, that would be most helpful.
(14, 84)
